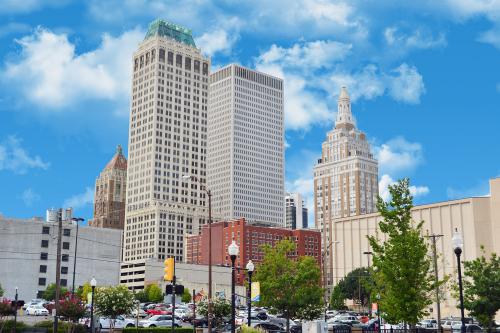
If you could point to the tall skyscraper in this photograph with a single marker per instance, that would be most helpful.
(110, 190)
(296, 212)
(167, 139)
(346, 176)
(245, 145)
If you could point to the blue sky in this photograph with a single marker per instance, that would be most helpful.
(424, 79)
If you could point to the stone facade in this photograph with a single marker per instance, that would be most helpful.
(110, 192)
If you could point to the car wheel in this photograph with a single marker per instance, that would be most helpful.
(130, 325)
(152, 325)
(100, 326)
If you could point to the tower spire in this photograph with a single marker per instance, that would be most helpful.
(344, 115)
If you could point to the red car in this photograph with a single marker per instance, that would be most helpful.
(158, 311)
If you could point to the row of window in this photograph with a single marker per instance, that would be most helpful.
(46, 231)
(45, 244)
(45, 256)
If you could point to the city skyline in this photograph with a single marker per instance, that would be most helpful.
(415, 87)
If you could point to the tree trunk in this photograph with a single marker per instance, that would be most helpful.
(287, 322)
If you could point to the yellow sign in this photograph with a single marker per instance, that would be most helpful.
(255, 292)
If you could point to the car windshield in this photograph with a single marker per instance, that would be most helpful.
(155, 318)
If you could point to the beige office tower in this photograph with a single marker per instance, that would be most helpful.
(167, 139)
(346, 176)
(245, 145)
(110, 190)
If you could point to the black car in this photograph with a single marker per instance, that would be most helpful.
(341, 328)
(270, 328)
(296, 329)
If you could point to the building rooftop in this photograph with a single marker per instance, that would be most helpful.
(163, 28)
(118, 161)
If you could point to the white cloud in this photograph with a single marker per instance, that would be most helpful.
(29, 197)
(26, 6)
(386, 180)
(491, 37)
(220, 39)
(367, 83)
(398, 156)
(13, 28)
(417, 39)
(51, 74)
(80, 200)
(408, 85)
(15, 158)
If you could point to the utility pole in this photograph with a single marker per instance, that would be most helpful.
(77, 220)
(58, 270)
(436, 277)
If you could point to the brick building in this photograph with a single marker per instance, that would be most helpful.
(250, 239)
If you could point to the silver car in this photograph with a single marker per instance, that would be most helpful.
(158, 321)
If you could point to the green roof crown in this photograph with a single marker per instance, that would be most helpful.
(163, 28)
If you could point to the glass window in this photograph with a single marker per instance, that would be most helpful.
(162, 55)
(197, 66)
(65, 245)
(65, 257)
(64, 270)
(45, 243)
(43, 268)
(64, 282)
(42, 281)
(67, 232)
(187, 64)
(178, 60)
(170, 59)
(44, 256)
(205, 68)
(45, 230)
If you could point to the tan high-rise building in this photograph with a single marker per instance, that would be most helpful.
(110, 190)
(167, 140)
(346, 176)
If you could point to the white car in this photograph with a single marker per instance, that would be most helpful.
(158, 321)
(36, 310)
(120, 322)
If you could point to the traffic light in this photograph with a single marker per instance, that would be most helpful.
(169, 269)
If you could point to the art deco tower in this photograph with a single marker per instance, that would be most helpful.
(110, 189)
(167, 139)
(346, 176)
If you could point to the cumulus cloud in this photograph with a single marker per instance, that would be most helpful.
(26, 6)
(221, 39)
(50, 73)
(80, 200)
(407, 85)
(491, 37)
(29, 197)
(417, 39)
(386, 180)
(398, 156)
(15, 158)
(367, 83)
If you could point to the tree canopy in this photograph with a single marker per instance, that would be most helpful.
(113, 301)
(50, 292)
(290, 287)
(401, 264)
(186, 296)
(357, 285)
(154, 293)
(481, 286)
(1, 290)
(337, 299)
(84, 291)
(220, 308)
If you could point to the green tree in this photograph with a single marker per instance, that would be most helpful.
(72, 308)
(154, 293)
(186, 296)
(141, 296)
(220, 308)
(357, 285)
(1, 290)
(401, 264)
(50, 292)
(84, 291)
(111, 302)
(337, 300)
(481, 285)
(290, 287)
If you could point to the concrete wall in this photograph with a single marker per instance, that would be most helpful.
(98, 255)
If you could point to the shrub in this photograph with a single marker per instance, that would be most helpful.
(247, 329)
(63, 326)
(8, 325)
(158, 330)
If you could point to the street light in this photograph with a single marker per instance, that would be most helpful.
(93, 283)
(77, 220)
(323, 259)
(458, 243)
(250, 268)
(368, 254)
(209, 194)
(233, 251)
(15, 311)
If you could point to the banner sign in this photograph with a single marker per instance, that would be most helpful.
(255, 295)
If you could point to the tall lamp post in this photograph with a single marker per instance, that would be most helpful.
(93, 283)
(15, 310)
(323, 259)
(77, 220)
(233, 251)
(209, 194)
(458, 244)
(368, 254)
(250, 268)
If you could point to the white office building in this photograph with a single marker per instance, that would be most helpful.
(167, 139)
(245, 145)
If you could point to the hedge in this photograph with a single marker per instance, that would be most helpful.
(62, 327)
(158, 330)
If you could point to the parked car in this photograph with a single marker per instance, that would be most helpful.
(339, 328)
(427, 323)
(158, 321)
(449, 323)
(142, 313)
(469, 328)
(36, 301)
(270, 328)
(120, 322)
(371, 325)
(296, 329)
(200, 322)
(36, 310)
(158, 311)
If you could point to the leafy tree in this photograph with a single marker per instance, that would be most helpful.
(154, 293)
(402, 267)
(337, 299)
(1, 290)
(111, 302)
(290, 287)
(357, 285)
(220, 308)
(186, 296)
(72, 308)
(84, 291)
(5, 311)
(50, 292)
(481, 285)
(141, 296)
